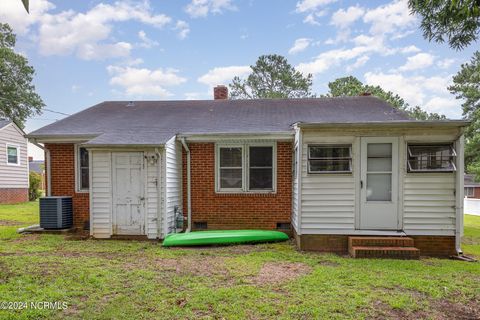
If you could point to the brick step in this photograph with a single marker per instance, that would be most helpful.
(384, 252)
(380, 242)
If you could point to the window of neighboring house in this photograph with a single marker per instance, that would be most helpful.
(245, 168)
(13, 155)
(329, 158)
(83, 181)
(431, 158)
(469, 192)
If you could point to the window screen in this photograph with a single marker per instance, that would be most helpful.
(431, 158)
(329, 159)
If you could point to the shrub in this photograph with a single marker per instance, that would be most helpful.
(34, 191)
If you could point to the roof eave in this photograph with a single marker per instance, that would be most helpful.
(392, 123)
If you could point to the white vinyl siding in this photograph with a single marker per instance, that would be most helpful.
(429, 203)
(101, 194)
(327, 200)
(173, 183)
(12, 175)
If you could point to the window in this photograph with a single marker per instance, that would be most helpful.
(431, 158)
(83, 182)
(13, 154)
(231, 169)
(469, 192)
(260, 168)
(330, 159)
(245, 168)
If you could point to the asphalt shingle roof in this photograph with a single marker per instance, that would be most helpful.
(4, 122)
(154, 122)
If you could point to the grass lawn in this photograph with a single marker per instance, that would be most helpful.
(105, 279)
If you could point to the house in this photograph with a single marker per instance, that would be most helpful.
(328, 169)
(37, 166)
(13, 163)
(472, 187)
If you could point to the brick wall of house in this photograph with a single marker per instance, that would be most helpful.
(236, 211)
(13, 195)
(435, 246)
(476, 192)
(432, 246)
(62, 157)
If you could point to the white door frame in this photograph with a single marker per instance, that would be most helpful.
(376, 207)
(142, 189)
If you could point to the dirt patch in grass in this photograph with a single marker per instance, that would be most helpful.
(27, 238)
(328, 263)
(9, 223)
(278, 272)
(454, 310)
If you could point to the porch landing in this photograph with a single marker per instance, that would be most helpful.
(383, 247)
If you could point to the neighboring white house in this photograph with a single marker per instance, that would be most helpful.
(13, 163)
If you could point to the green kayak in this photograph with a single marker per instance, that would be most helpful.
(203, 238)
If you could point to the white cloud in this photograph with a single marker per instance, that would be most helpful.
(311, 5)
(88, 35)
(360, 62)
(390, 18)
(300, 45)
(143, 81)
(418, 61)
(430, 93)
(13, 13)
(311, 18)
(447, 106)
(223, 75)
(146, 41)
(410, 49)
(445, 63)
(193, 95)
(183, 29)
(201, 8)
(344, 18)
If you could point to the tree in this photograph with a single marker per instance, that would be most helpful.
(466, 86)
(351, 86)
(272, 77)
(457, 22)
(18, 99)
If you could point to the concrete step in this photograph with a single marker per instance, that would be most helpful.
(367, 241)
(384, 252)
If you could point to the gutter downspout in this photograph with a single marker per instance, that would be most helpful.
(459, 194)
(47, 160)
(159, 195)
(189, 198)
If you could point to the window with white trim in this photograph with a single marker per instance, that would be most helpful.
(83, 178)
(13, 154)
(469, 192)
(329, 158)
(247, 167)
(431, 158)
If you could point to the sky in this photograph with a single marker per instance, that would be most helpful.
(86, 52)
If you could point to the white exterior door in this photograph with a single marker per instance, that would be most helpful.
(128, 193)
(379, 183)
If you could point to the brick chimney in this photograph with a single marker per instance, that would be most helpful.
(30, 159)
(220, 92)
